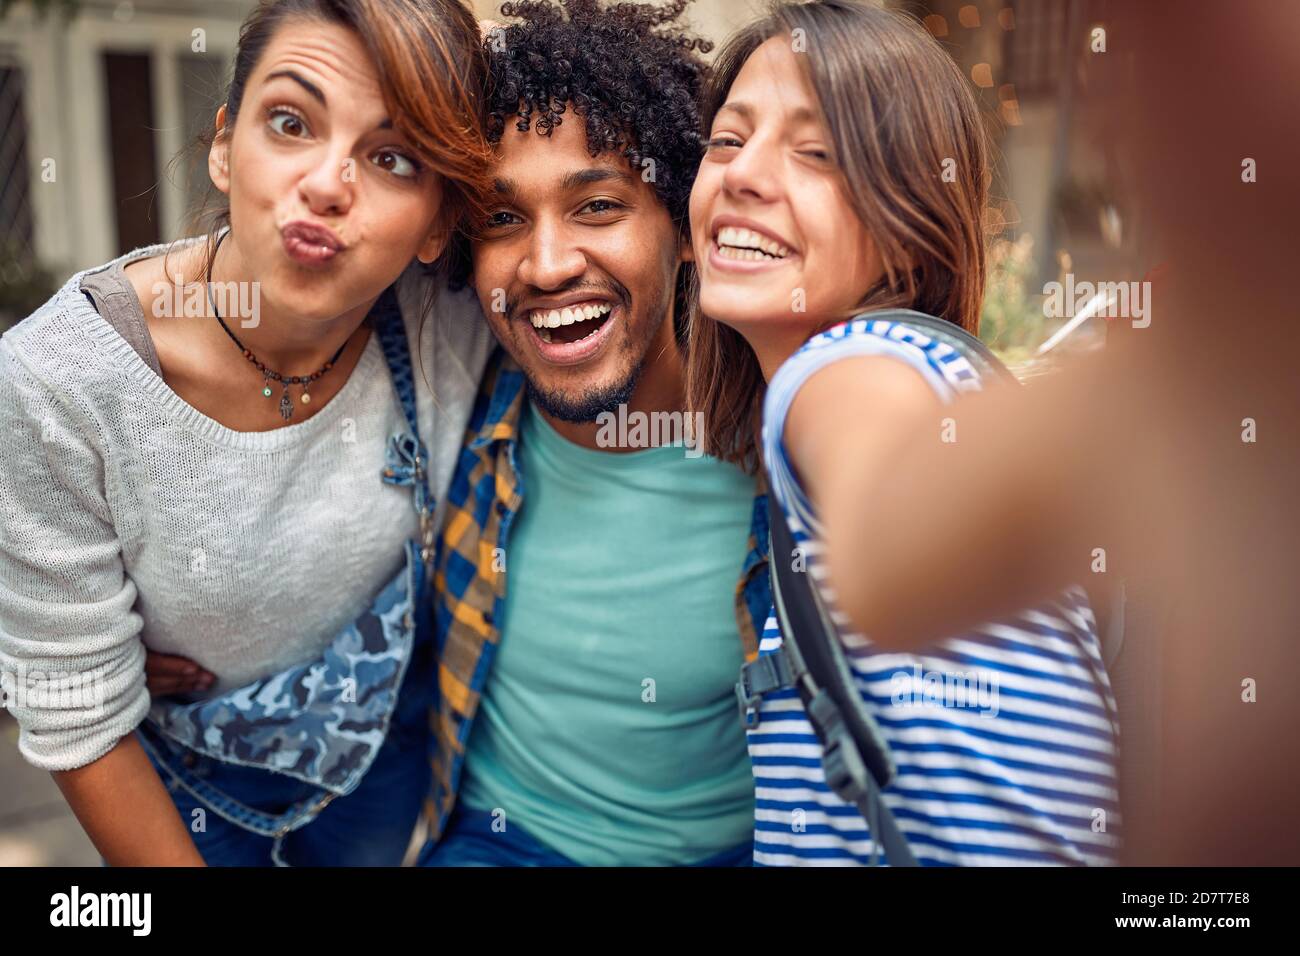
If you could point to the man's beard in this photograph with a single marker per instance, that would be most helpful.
(588, 405)
(584, 408)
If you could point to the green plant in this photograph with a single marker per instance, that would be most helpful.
(1012, 323)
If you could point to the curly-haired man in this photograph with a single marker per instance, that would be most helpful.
(587, 713)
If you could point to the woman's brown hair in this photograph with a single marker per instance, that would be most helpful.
(431, 70)
(910, 143)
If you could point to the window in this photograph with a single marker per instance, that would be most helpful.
(16, 229)
(131, 129)
(1035, 49)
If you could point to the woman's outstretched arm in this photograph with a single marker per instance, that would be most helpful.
(940, 517)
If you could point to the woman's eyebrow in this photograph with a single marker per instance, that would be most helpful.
(744, 109)
(306, 84)
(800, 114)
(317, 93)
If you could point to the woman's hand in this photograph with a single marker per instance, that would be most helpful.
(167, 674)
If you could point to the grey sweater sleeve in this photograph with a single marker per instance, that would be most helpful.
(71, 658)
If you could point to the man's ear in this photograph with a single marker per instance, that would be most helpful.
(219, 154)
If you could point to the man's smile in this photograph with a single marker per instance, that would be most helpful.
(571, 323)
(574, 333)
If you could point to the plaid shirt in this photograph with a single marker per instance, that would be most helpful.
(470, 581)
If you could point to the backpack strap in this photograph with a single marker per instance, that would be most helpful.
(988, 365)
(855, 756)
(763, 675)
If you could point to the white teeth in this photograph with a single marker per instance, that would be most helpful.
(554, 318)
(745, 255)
(739, 238)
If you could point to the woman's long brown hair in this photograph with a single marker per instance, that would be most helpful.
(911, 146)
(431, 68)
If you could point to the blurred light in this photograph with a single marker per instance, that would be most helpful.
(1007, 18)
(1112, 226)
(981, 74)
(969, 16)
(1009, 110)
(936, 24)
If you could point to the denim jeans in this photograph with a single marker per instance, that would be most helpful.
(469, 840)
(257, 817)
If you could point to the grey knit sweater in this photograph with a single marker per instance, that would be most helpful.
(128, 519)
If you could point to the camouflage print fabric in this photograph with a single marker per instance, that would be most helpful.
(324, 721)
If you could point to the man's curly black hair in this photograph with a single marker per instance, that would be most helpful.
(627, 70)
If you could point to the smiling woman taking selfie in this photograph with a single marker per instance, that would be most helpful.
(837, 266)
(252, 481)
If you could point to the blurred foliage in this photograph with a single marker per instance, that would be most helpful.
(1012, 323)
(24, 284)
(42, 6)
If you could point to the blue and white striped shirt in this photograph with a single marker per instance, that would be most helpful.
(1005, 738)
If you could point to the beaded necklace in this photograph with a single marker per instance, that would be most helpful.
(270, 375)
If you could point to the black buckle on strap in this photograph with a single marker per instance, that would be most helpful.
(846, 771)
(761, 676)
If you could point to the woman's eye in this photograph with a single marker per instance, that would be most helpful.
(395, 163)
(497, 220)
(820, 155)
(287, 124)
(723, 142)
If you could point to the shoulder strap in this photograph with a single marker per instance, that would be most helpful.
(408, 459)
(855, 756)
(386, 316)
(988, 365)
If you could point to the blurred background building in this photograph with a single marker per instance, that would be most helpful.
(99, 98)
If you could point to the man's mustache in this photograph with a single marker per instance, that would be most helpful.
(613, 290)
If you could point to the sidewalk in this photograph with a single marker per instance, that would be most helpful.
(36, 826)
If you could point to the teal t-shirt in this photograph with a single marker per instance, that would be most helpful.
(608, 727)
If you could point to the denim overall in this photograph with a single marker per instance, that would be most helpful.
(338, 743)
